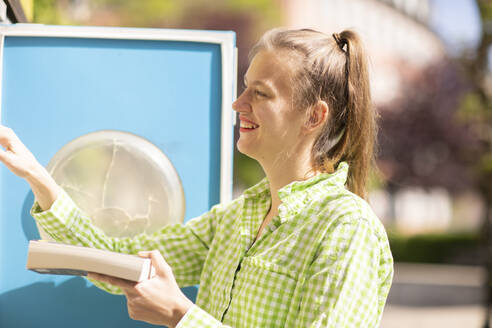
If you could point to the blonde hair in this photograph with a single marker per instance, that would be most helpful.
(332, 69)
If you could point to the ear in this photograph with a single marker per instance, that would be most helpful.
(317, 116)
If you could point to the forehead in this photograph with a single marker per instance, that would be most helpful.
(274, 68)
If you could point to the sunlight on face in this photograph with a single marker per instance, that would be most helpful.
(269, 125)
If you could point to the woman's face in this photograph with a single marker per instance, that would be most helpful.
(270, 126)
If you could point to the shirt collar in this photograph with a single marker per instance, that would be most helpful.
(297, 194)
(337, 178)
(258, 189)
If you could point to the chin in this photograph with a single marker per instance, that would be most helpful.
(245, 149)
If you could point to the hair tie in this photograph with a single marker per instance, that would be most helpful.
(334, 141)
(340, 42)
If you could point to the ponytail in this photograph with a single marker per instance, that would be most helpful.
(333, 69)
(360, 124)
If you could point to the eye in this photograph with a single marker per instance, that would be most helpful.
(259, 93)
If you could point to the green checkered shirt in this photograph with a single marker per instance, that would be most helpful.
(324, 261)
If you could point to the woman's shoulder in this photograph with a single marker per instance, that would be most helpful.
(348, 217)
(346, 208)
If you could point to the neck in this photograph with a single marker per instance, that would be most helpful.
(285, 169)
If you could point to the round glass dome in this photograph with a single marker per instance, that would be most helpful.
(123, 182)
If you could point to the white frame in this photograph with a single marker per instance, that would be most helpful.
(229, 69)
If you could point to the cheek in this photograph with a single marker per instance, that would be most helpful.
(293, 121)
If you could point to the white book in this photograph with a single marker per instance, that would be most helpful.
(55, 258)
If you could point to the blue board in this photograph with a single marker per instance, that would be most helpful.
(55, 89)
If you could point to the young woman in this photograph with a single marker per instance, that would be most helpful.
(299, 249)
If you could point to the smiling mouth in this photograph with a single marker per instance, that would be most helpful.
(247, 126)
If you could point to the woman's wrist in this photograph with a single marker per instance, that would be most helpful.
(180, 311)
(43, 186)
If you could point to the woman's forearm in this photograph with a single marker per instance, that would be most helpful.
(43, 186)
(20, 161)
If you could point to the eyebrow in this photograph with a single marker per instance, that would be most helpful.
(257, 82)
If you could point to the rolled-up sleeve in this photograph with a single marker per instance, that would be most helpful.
(197, 317)
(185, 247)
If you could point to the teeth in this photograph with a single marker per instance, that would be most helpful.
(247, 125)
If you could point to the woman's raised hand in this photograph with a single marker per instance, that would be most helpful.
(18, 159)
(15, 155)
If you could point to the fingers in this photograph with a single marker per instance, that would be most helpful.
(8, 140)
(15, 154)
(158, 262)
(6, 136)
(7, 159)
(3, 155)
(122, 283)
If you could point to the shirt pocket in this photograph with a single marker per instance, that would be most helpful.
(261, 294)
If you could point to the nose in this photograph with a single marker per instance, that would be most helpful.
(241, 104)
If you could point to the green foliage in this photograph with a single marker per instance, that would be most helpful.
(485, 164)
(475, 110)
(485, 7)
(376, 179)
(148, 13)
(46, 12)
(455, 248)
(247, 171)
(262, 14)
(268, 10)
(472, 109)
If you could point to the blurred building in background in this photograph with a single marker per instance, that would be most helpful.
(395, 34)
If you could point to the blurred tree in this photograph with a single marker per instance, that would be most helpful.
(440, 132)
(477, 109)
(423, 140)
(46, 12)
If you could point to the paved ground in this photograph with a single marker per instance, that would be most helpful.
(435, 296)
(396, 316)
